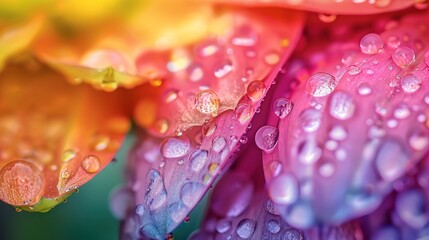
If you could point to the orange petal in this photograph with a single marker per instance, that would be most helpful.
(54, 137)
(358, 7)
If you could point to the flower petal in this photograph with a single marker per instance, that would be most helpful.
(169, 176)
(358, 123)
(54, 137)
(357, 7)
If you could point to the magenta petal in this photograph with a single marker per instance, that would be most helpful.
(169, 175)
(358, 125)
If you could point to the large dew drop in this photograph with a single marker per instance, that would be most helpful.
(403, 56)
(246, 228)
(283, 189)
(371, 43)
(410, 83)
(282, 107)
(266, 137)
(391, 160)
(175, 147)
(321, 84)
(155, 195)
(207, 102)
(198, 159)
(342, 106)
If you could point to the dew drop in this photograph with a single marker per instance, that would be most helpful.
(393, 42)
(255, 90)
(21, 183)
(207, 102)
(292, 234)
(223, 69)
(175, 147)
(354, 70)
(338, 133)
(391, 159)
(223, 225)
(310, 119)
(266, 137)
(371, 43)
(382, 3)
(208, 129)
(275, 167)
(410, 83)
(198, 159)
(178, 212)
(321, 84)
(207, 49)
(270, 207)
(364, 89)
(411, 208)
(246, 228)
(243, 112)
(402, 112)
(101, 142)
(244, 36)
(309, 152)
(272, 58)
(65, 174)
(190, 193)
(68, 155)
(327, 18)
(403, 56)
(342, 106)
(283, 189)
(155, 195)
(326, 169)
(273, 226)
(282, 107)
(218, 144)
(418, 141)
(91, 164)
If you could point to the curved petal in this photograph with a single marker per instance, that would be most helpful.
(355, 7)
(171, 175)
(54, 137)
(358, 122)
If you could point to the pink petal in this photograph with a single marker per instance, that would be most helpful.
(170, 175)
(355, 7)
(358, 124)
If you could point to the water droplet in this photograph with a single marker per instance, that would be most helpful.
(338, 133)
(342, 106)
(180, 61)
(292, 234)
(244, 36)
(321, 84)
(198, 159)
(391, 160)
(208, 48)
(327, 18)
(402, 111)
(382, 3)
(219, 143)
(246, 228)
(223, 225)
(410, 83)
(327, 169)
(354, 70)
(282, 107)
(68, 155)
(393, 42)
(273, 226)
(21, 183)
(65, 174)
(255, 90)
(270, 207)
(243, 112)
(266, 137)
(309, 152)
(191, 193)
(170, 95)
(207, 102)
(161, 125)
(155, 195)
(403, 56)
(272, 58)
(371, 43)
(101, 142)
(175, 147)
(310, 119)
(208, 129)
(275, 167)
(103, 58)
(283, 189)
(300, 215)
(243, 139)
(364, 89)
(91, 164)
(223, 69)
(411, 208)
(418, 141)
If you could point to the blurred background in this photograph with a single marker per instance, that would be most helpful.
(85, 215)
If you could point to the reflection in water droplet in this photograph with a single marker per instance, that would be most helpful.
(320, 84)
(198, 159)
(342, 106)
(292, 234)
(175, 147)
(371, 43)
(246, 228)
(391, 159)
(255, 90)
(402, 111)
(155, 195)
(266, 137)
(207, 102)
(218, 144)
(243, 112)
(309, 152)
(403, 56)
(91, 164)
(68, 155)
(283, 189)
(310, 119)
(190, 193)
(410, 83)
(223, 225)
(282, 107)
(273, 226)
(354, 70)
(21, 183)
